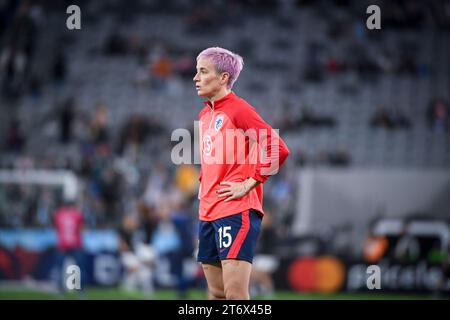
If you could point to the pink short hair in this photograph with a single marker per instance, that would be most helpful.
(224, 61)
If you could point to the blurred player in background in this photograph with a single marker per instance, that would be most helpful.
(231, 191)
(68, 221)
(266, 261)
(137, 257)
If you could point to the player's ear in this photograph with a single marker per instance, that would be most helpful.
(224, 77)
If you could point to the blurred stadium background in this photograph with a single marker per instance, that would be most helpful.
(87, 115)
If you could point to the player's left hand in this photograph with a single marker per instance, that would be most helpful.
(235, 190)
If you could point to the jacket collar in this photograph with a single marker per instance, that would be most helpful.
(220, 102)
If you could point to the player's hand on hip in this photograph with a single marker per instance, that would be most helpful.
(235, 190)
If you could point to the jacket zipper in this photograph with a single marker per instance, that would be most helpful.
(212, 118)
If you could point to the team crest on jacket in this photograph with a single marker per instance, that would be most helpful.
(218, 123)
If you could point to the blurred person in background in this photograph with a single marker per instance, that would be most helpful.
(137, 257)
(438, 116)
(68, 221)
(66, 120)
(181, 219)
(15, 140)
(99, 131)
(265, 262)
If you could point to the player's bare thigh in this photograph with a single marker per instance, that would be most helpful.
(236, 279)
(214, 277)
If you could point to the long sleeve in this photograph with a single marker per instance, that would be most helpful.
(275, 149)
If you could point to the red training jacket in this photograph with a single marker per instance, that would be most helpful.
(232, 138)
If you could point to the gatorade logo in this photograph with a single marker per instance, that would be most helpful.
(316, 274)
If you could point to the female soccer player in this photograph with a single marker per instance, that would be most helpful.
(239, 151)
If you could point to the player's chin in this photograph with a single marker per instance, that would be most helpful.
(202, 93)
